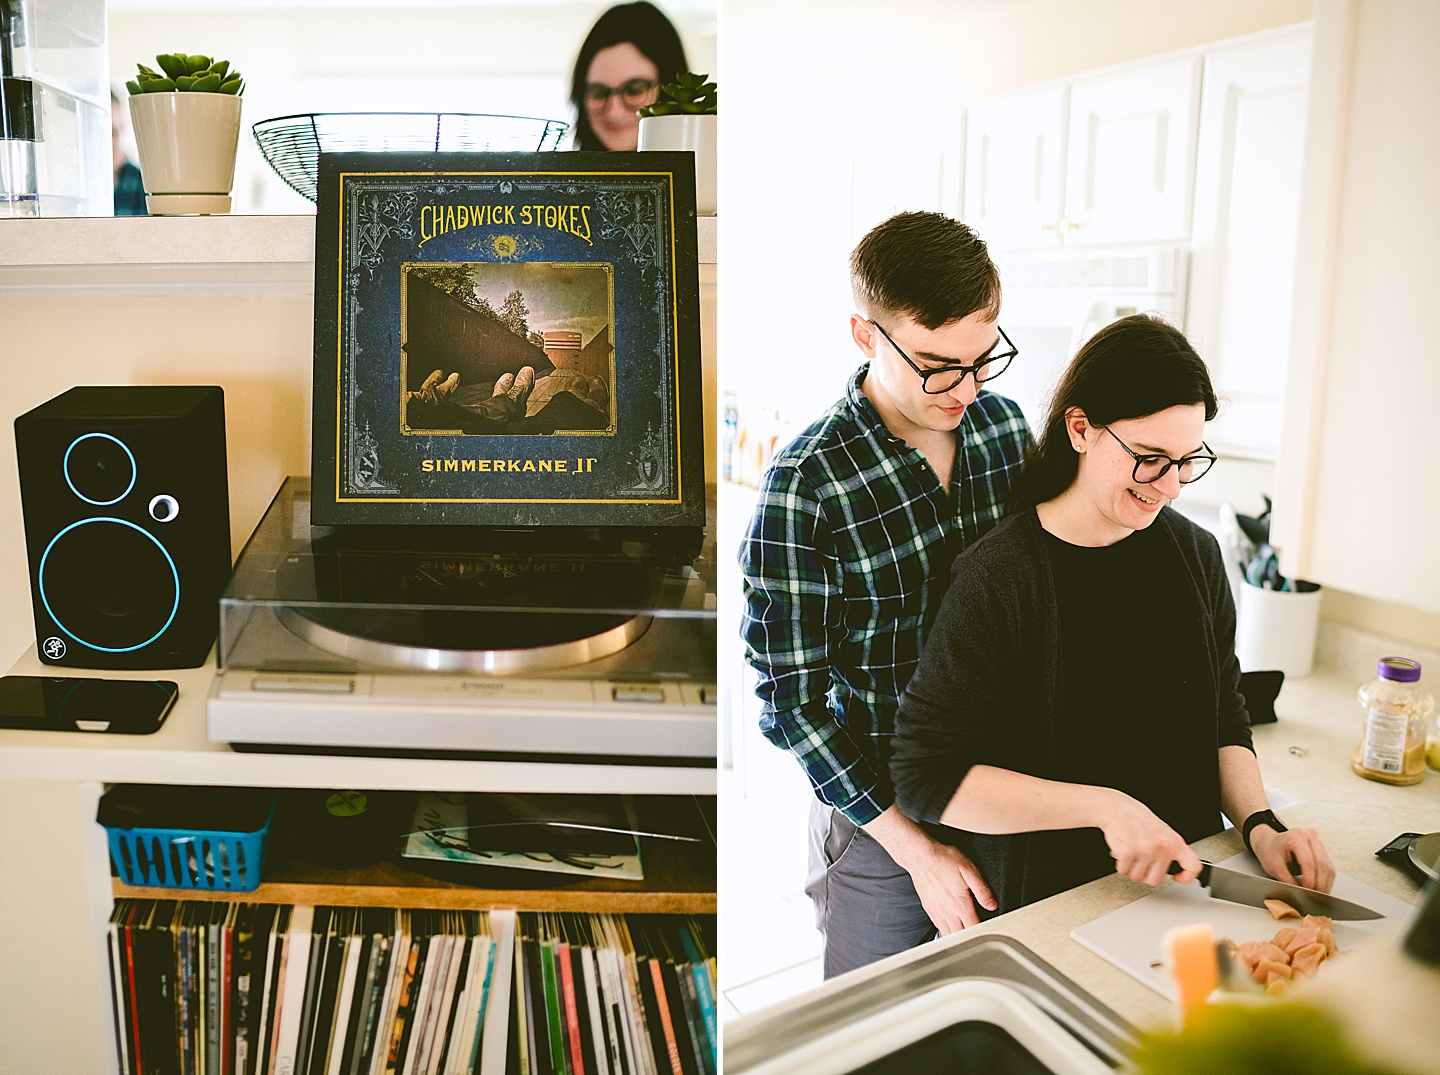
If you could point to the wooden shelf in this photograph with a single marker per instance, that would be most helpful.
(679, 879)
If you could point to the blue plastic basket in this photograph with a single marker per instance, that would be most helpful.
(214, 861)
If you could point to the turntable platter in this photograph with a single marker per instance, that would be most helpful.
(463, 640)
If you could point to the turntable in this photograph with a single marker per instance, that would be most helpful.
(569, 642)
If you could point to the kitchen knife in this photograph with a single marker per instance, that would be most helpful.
(1235, 887)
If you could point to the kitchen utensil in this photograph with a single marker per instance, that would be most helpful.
(1253, 891)
(1132, 937)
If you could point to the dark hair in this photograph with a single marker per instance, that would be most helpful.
(925, 266)
(1131, 368)
(641, 24)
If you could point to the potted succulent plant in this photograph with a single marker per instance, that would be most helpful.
(186, 118)
(683, 117)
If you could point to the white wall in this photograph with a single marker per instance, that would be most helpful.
(505, 56)
(840, 112)
(1358, 507)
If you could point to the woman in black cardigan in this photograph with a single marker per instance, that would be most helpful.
(1076, 709)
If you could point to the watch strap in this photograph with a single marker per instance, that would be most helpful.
(1260, 817)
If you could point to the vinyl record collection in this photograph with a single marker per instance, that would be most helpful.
(214, 988)
(616, 994)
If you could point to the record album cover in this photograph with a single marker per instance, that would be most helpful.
(507, 339)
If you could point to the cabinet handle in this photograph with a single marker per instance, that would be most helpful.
(1072, 225)
(1047, 227)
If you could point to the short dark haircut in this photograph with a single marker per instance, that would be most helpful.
(641, 24)
(1131, 368)
(925, 266)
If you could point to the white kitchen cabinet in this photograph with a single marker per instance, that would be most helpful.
(1130, 155)
(1014, 169)
(1247, 204)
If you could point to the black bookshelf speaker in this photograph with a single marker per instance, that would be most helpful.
(127, 524)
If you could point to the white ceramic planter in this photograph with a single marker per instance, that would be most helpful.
(187, 145)
(695, 133)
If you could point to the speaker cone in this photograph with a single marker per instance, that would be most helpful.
(99, 469)
(109, 584)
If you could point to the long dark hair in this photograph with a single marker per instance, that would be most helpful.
(643, 25)
(1129, 369)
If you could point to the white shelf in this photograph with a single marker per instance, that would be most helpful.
(90, 251)
(180, 752)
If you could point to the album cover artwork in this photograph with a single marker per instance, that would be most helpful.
(507, 339)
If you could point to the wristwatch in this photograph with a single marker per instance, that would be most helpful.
(1260, 817)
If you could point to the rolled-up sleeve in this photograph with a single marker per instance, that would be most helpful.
(792, 625)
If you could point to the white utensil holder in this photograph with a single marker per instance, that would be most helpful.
(1276, 629)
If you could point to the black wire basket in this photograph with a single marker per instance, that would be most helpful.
(293, 144)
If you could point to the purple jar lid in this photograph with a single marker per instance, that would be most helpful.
(1398, 669)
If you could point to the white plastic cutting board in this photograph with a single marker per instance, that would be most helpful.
(1133, 937)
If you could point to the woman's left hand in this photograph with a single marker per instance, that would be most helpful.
(1295, 856)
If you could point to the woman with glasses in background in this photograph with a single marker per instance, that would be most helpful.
(630, 51)
(1076, 709)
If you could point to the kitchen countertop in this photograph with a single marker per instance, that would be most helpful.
(1304, 756)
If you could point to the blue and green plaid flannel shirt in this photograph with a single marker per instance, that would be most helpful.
(844, 566)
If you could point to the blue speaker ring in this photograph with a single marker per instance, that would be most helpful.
(65, 468)
(169, 561)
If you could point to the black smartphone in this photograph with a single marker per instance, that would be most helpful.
(69, 704)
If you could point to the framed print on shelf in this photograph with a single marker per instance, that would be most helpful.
(507, 339)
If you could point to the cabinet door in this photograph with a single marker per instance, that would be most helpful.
(1013, 169)
(1130, 155)
(1247, 205)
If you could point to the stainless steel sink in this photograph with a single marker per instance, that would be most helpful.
(1018, 1012)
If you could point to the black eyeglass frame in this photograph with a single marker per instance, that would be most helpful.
(593, 95)
(958, 367)
(1140, 460)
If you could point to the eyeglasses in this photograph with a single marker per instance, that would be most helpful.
(942, 379)
(1151, 468)
(635, 93)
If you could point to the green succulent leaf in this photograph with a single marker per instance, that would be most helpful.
(233, 87)
(195, 64)
(219, 67)
(158, 85)
(207, 84)
(149, 72)
(133, 86)
(185, 83)
(172, 65)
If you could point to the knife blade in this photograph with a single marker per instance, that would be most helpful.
(1235, 887)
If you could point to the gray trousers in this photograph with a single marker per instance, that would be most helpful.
(866, 907)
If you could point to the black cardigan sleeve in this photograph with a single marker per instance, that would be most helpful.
(950, 717)
(1233, 718)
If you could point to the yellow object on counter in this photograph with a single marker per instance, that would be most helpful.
(1392, 747)
(1192, 961)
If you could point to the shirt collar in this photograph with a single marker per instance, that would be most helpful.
(861, 407)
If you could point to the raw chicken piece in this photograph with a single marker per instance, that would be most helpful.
(1326, 937)
(1280, 909)
(1283, 937)
(1268, 969)
(1275, 952)
(1316, 922)
(1309, 958)
(1276, 984)
(1302, 938)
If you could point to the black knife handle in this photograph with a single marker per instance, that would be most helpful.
(1203, 876)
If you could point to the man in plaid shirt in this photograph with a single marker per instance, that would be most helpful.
(848, 556)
